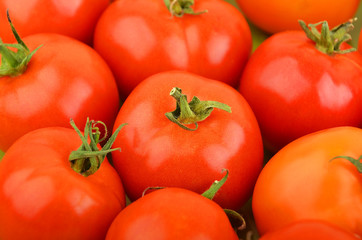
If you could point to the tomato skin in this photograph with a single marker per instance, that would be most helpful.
(65, 79)
(140, 38)
(76, 19)
(309, 229)
(301, 182)
(281, 15)
(42, 197)
(157, 152)
(294, 89)
(172, 213)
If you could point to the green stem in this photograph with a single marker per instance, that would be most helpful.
(356, 162)
(329, 41)
(192, 112)
(14, 63)
(88, 158)
(180, 7)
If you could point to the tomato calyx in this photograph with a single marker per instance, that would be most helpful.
(14, 63)
(329, 41)
(236, 220)
(356, 162)
(87, 159)
(180, 7)
(192, 112)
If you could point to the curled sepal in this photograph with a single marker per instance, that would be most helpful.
(355, 162)
(236, 220)
(192, 112)
(14, 63)
(329, 41)
(87, 159)
(180, 7)
(215, 186)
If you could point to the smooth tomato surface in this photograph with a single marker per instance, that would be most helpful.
(294, 89)
(310, 229)
(42, 197)
(302, 182)
(157, 152)
(280, 15)
(139, 38)
(65, 79)
(172, 213)
(76, 18)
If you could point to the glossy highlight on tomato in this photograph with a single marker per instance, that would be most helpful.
(139, 38)
(158, 152)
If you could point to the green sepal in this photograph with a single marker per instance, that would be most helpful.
(180, 7)
(356, 162)
(215, 186)
(193, 112)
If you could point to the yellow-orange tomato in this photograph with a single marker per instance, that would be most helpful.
(303, 182)
(280, 15)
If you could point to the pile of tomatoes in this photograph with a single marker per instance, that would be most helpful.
(180, 119)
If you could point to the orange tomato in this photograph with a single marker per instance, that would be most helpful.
(280, 15)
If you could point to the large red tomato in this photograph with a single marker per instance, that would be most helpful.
(64, 79)
(304, 181)
(158, 152)
(172, 213)
(294, 88)
(74, 18)
(308, 230)
(139, 38)
(42, 197)
(281, 15)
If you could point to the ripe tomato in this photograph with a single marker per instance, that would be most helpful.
(64, 79)
(76, 19)
(172, 213)
(42, 197)
(302, 181)
(139, 38)
(295, 89)
(281, 15)
(157, 152)
(310, 229)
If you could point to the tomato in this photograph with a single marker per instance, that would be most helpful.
(172, 213)
(295, 89)
(158, 152)
(139, 38)
(76, 19)
(302, 181)
(64, 79)
(309, 229)
(282, 15)
(42, 197)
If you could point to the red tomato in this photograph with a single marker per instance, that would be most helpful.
(64, 79)
(295, 89)
(139, 38)
(280, 15)
(172, 213)
(309, 229)
(42, 197)
(302, 182)
(76, 18)
(157, 152)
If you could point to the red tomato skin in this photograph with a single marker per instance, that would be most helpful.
(157, 152)
(41, 197)
(140, 38)
(65, 79)
(282, 15)
(294, 89)
(171, 213)
(76, 19)
(301, 182)
(310, 229)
